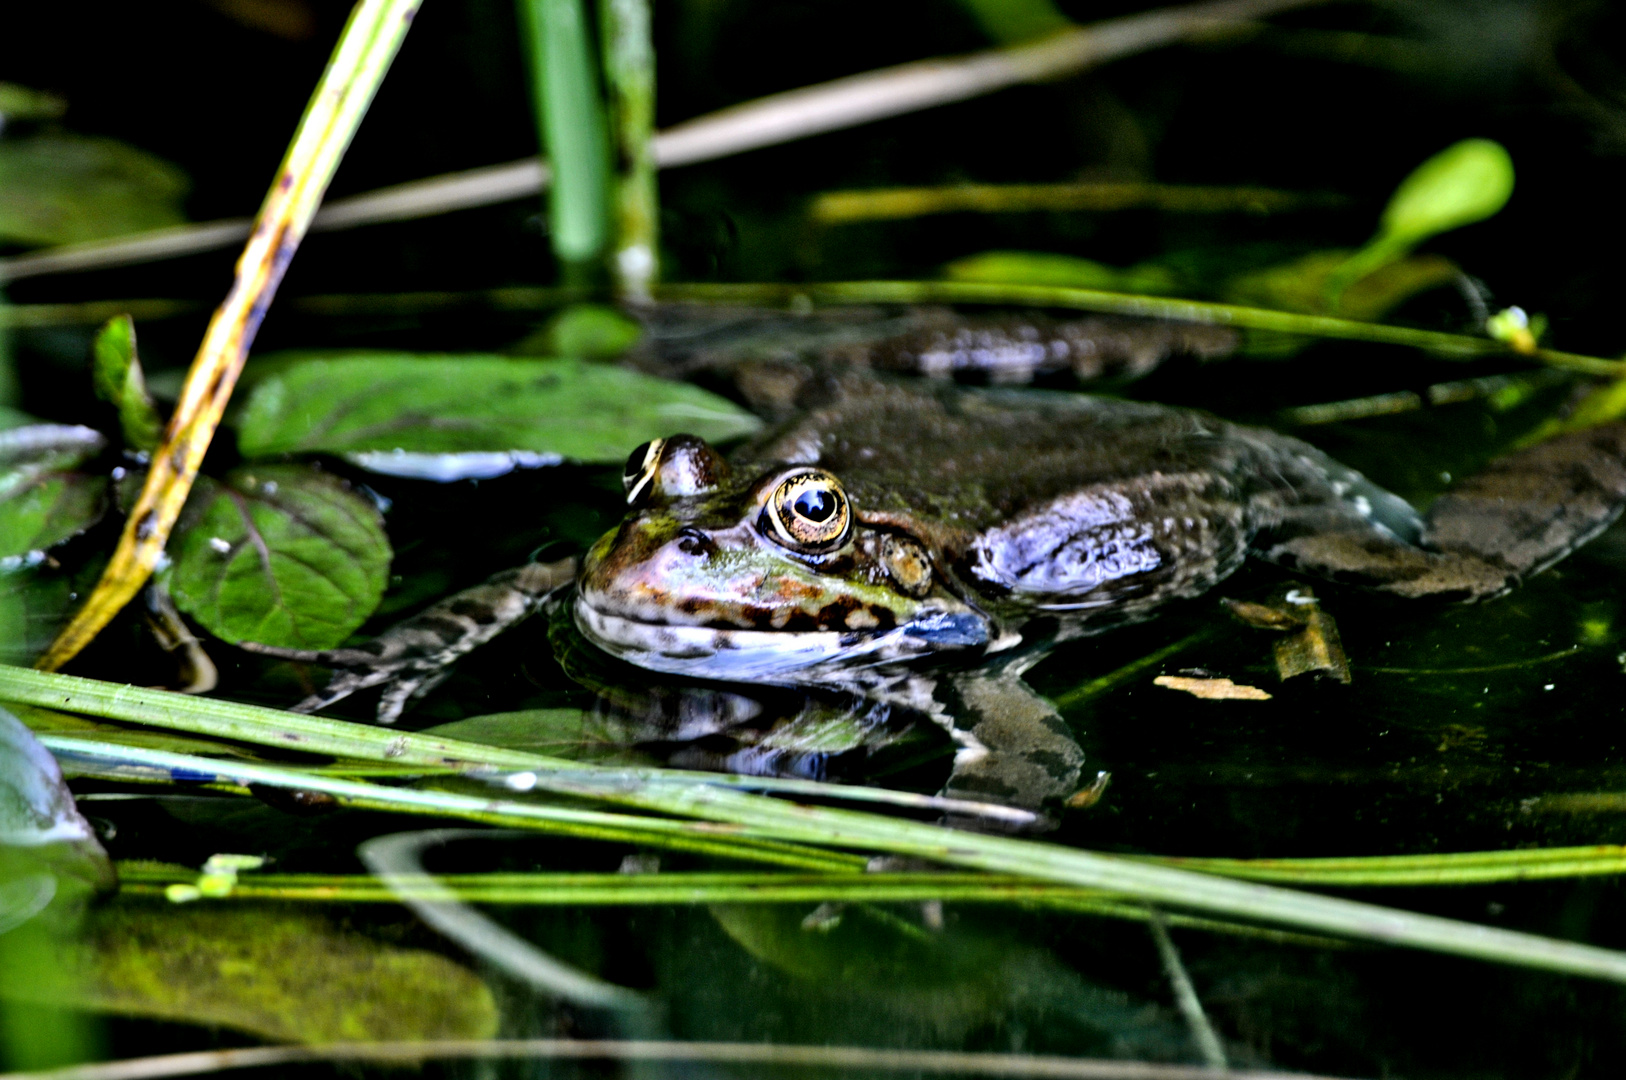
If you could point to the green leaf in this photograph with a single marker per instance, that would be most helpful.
(119, 382)
(282, 555)
(47, 510)
(41, 503)
(35, 603)
(1464, 183)
(67, 189)
(399, 404)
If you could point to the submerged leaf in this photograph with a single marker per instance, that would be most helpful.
(120, 383)
(341, 403)
(573, 734)
(586, 331)
(67, 189)
(282, 555)
(285, 978)
(1066, 271)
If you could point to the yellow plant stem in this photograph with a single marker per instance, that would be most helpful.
(368, 44)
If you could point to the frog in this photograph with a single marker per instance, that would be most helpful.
(924, 543)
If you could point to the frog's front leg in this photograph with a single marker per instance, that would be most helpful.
(1011, 745)
(414, 656)
(1523, 513)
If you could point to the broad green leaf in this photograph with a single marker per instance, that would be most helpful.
(41, 503)
(35, 603)
(386, 405)
(119, 382)
(279, 554)
(45, 511)
(66, 189)
(1464, 183)
(1068, 271)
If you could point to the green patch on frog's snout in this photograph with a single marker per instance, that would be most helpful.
(655, 568)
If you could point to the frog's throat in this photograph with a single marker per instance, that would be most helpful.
(774, 656)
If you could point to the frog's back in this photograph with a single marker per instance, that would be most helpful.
(1070, 502)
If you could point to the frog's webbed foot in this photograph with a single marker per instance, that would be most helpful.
(1523, 513)
(414, 656)
(1012, 746)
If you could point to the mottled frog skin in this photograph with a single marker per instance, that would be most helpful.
(890, 522)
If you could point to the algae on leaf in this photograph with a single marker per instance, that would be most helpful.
(398, 404)
(286, 978)
(279, 554)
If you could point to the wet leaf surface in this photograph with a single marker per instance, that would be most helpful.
(279, 554)
(44, 512)
(384, 403)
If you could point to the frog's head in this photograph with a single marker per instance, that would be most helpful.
(775, 577)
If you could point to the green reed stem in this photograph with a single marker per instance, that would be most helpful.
(338, 738)
(629, 73)
(726, 813)
(570, 115)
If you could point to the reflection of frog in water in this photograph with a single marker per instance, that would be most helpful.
(886, 521)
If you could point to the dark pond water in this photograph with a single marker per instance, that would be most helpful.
(1464, 728)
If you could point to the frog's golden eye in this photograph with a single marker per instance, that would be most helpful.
(809, 512)
(640, 469)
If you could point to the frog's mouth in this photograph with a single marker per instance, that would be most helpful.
(774, 656)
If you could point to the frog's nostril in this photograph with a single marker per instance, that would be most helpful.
(692, 541)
